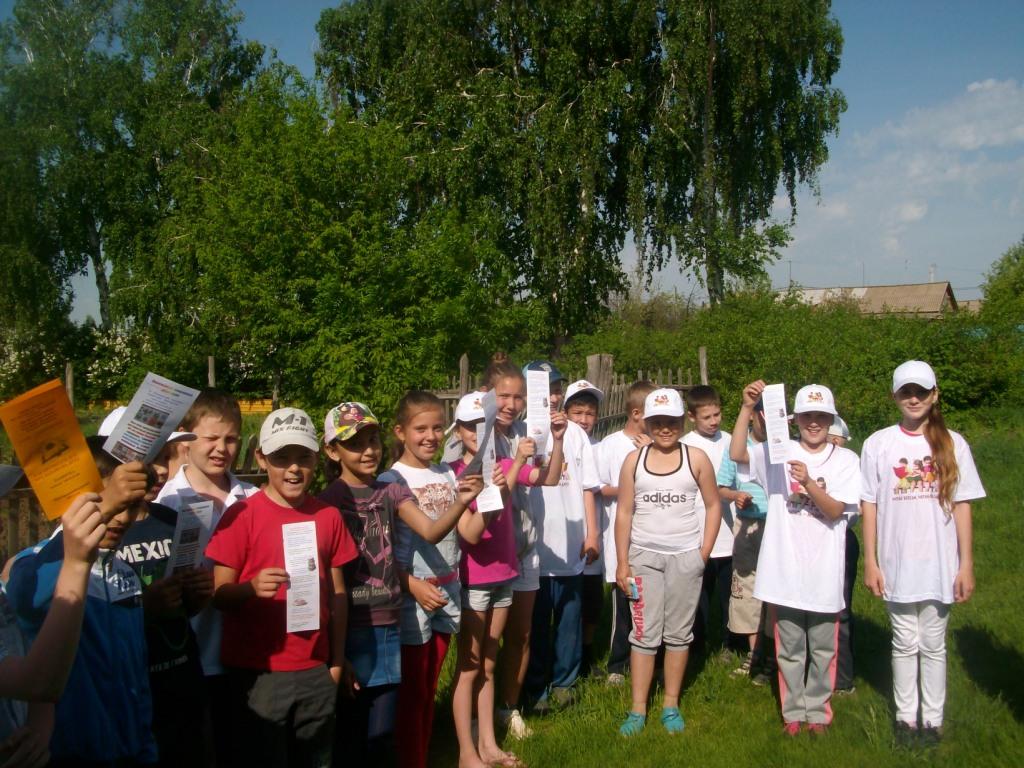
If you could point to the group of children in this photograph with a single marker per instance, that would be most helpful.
(204, 665)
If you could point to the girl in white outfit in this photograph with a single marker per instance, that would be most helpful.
(917, 543)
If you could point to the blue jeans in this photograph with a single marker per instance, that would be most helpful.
(556, 637)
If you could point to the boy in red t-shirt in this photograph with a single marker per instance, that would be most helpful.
(283, 683)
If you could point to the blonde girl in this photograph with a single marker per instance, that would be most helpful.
(917, 545)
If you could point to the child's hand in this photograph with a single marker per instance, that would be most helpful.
(752, 393)
(198, 585)
(498, 477)
(559, 423)
(622, 575)
(591, 549)
(743, 500)
(428, 595)
(963, 585)
(469, 488)
(268, 581)
(127, 484)
(798, 472)
(336, 673)
(83, 529)
(162, 597)
(25, 748)
(526, 449)
(348, 683)
(873, 579)
(642, 440)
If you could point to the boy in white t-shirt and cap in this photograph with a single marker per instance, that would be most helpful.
(704, 411)
(800, 569)
(565, 516)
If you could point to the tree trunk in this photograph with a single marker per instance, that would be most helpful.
(99, 269)
(709, 212)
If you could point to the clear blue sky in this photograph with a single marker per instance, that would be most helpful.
(928, 168)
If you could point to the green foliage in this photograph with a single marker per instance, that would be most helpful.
(757, 335)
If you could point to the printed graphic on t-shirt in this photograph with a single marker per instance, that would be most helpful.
(373, 572)
(434, 498)
(915, 479)
(663, 498)
(800, 502)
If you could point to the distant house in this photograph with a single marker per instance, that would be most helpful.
(916, 299)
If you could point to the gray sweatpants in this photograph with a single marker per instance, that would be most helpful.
(669, 587)
(805, 648)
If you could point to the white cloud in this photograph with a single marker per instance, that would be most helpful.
(911, 211)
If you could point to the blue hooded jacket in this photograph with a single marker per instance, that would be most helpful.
(106, 711)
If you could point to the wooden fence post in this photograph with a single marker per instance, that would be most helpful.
(69, 381)
(211, 373)
(464, 374)
(702, 353)
(599, 370)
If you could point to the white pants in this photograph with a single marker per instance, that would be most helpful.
(919, 642)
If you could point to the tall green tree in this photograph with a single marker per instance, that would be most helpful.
(577, 121)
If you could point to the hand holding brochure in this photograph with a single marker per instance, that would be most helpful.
(300, 560)
(44, 433)
(156, 410)
(776, 422)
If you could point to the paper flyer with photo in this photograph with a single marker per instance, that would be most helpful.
(191, 535)
(484, 435)
(776, 422)
(44, 433)
(300, 560)
(156, 410)
(489, 499)
(538, 409)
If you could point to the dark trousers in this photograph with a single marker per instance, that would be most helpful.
(283, 718)
(556, 637)
(618, 654)
(844, 661)
(365, 731)
(717, 578)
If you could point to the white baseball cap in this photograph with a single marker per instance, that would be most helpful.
(287, 426)
(470, 408)
(664, 402)
(814, 398)
(581, 386)
(107, 427)
(839, 428)
(913, 372)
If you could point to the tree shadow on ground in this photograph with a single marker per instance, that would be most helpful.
(994, 667)
(872, 654)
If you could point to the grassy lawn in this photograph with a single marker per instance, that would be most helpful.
(730, 722)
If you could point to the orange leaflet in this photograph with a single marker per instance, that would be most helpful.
(44, 432)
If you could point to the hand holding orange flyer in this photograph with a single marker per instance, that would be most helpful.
(44, 432)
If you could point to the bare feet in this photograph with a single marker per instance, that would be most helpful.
(499, 757)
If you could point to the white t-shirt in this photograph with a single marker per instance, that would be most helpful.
(435, 490)
(558, 511)
(715, 447)
(176, 493)
(803, 553)
(917, 544)
(596, 568)
(611, 454)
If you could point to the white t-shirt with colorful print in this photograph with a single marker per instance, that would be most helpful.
(917, 543)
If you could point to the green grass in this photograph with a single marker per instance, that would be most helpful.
(731, 723)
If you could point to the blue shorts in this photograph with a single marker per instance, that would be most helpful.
(375, 654)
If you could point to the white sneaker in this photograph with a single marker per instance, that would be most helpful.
(512, 719)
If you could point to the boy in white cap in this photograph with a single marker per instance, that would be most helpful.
(662, 552)
(800, 569)
(283, 683)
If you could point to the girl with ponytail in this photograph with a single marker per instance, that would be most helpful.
(917, 543)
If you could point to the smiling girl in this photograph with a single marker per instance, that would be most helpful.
(917, 544)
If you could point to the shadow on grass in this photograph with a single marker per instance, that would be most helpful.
(872, 654)
(994, 667)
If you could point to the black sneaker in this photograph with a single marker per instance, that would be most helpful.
(906, 735)
(930, 737)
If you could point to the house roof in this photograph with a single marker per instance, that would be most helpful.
(922, 299)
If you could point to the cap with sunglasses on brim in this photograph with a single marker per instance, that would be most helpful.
(345, 419)
(913, 372)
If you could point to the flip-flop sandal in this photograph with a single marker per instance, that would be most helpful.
(672, 719)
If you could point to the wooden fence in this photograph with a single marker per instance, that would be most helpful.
(23, 524)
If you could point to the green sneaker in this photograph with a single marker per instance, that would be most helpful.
(672, 719)
(633, 724)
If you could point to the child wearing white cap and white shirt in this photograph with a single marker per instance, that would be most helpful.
(800, 566)
(917, 543)
(662, 550)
